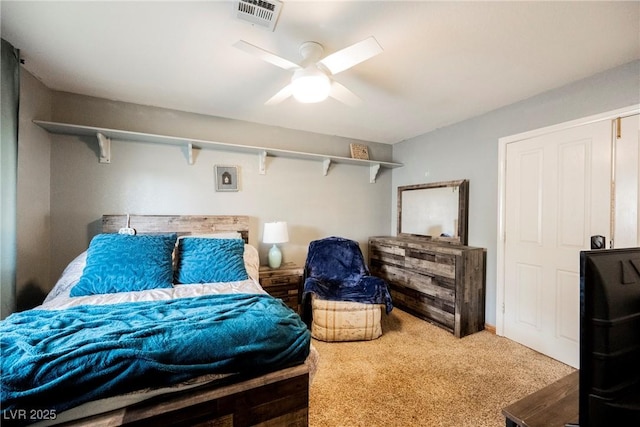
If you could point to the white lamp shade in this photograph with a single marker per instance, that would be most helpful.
(275, 232)
(310, 85)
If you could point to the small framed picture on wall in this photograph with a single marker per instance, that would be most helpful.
(226, 178)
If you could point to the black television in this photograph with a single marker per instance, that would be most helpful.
(609, 390)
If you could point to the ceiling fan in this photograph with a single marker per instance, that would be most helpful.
(312, 78)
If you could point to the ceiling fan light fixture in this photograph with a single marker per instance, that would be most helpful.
(310, 85)
(312, 79)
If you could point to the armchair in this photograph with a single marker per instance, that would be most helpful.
(341, 301)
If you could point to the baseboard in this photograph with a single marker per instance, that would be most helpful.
(490, 328)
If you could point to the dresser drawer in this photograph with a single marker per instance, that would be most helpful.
(434, 286)
(439, 312)
(280, 281)
(431, 263)
(282, 291)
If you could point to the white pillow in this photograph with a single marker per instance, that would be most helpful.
(251, 261)
(70, 276)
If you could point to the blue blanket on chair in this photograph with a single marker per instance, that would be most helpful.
(335, 270)
(58, 359)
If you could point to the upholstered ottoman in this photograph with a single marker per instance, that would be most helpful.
(345, 320)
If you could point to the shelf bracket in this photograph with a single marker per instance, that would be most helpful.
(326, 163)
(262, 162)
(373, 172)
(105, 148)
(190, 153)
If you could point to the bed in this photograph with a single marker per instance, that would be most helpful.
(147, 335)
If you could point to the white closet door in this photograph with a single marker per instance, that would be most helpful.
(557, 196)
(627, 182)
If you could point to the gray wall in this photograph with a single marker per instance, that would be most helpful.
(469, 150)
(9, 126)
(145, 178)
(34, 234)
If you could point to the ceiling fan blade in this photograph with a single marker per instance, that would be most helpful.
(344, 95)
(352, 55)
(266, 55)
(283, 94)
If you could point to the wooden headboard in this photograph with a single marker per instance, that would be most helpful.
(181, 224)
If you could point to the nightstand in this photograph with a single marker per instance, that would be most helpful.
(284, 283)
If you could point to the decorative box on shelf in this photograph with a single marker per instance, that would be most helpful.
(284, 283)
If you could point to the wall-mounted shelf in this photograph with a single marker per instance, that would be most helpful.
(105, 135)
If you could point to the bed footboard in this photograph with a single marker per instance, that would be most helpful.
(275, 399)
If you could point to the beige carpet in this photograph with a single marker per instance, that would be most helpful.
(417, 374)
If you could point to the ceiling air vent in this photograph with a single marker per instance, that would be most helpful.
(260, 12)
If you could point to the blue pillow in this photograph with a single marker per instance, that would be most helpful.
(123, 263)
(203, 260)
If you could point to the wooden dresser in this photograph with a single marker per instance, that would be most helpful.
(442, 283)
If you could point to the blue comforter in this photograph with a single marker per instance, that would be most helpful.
(59, 359)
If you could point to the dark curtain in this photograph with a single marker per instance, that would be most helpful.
(10, 94)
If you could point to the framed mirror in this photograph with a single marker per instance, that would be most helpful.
(435, 211)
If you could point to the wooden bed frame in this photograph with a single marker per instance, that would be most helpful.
(181, 224)
(275, 399)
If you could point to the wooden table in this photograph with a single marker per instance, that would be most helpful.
(284, 282)
(553, 406)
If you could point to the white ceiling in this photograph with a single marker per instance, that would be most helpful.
(443, 62)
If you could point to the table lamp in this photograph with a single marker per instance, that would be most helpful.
(275, 232)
